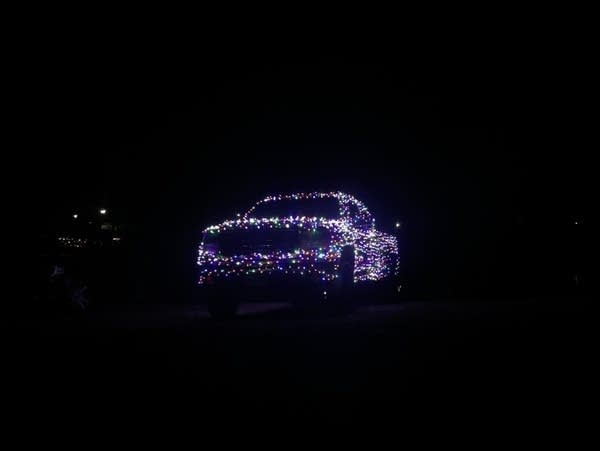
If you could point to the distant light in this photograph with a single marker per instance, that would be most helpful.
(102, 211)
(75, 216)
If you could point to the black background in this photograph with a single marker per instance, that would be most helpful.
(483, 148)
(480, 151)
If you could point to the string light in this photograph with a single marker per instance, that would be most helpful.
(71, 242)
(375, 252)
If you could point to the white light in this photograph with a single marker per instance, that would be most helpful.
(369, 266)
(102, 211)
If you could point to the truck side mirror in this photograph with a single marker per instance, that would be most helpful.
(398, 225)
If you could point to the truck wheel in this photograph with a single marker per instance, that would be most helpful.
(222, 308)
(347, 270)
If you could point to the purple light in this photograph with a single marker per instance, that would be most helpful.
(374, 250)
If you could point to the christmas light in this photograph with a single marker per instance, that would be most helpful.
(70, 242)
(316, 256)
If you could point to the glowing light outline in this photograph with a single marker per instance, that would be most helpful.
(374, 250)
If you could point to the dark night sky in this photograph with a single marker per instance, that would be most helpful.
(172, 137)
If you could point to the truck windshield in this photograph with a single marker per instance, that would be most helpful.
(238, 242)
(320, 208)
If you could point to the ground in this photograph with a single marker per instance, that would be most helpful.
(381, 362)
